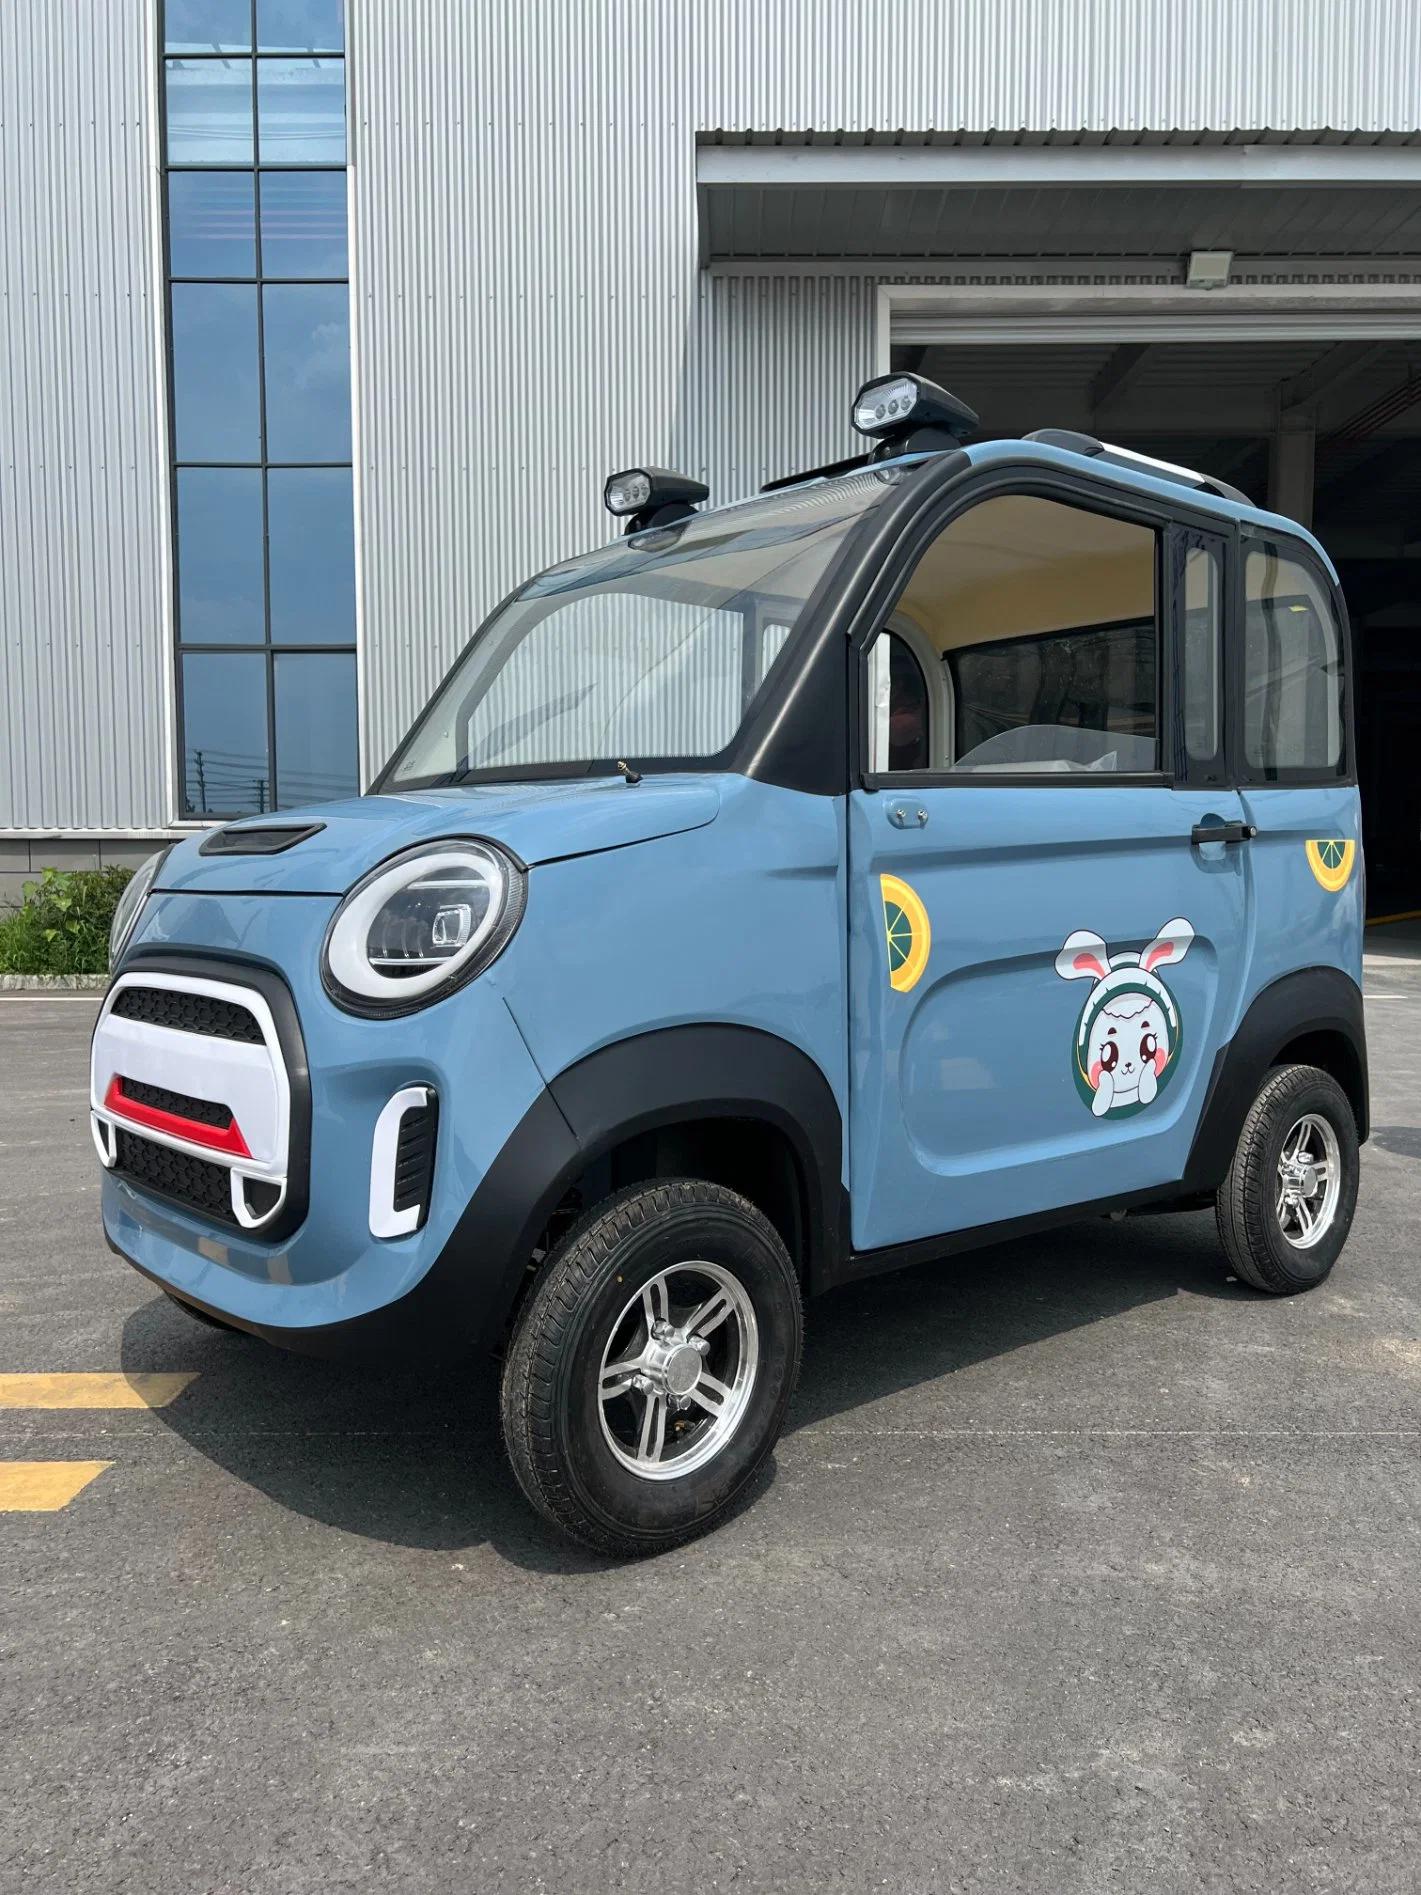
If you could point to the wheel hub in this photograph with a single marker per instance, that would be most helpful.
(1309, 1181)
(672, 1362)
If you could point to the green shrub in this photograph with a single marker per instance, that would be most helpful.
(62, 925)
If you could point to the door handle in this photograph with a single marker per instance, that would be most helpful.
(1222, 832)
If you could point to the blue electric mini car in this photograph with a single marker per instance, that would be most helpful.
(942, 845)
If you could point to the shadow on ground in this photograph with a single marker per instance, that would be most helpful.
(413, 1457)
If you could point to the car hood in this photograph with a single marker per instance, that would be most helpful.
(537, 822)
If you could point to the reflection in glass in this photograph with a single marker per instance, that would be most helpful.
(208, 26)
(216, 417)
(211, 223)
(209, 111)
(307, 335)
(303, 223)
(224, 734)
(300, 26)
(301, 111)
(220, 555)
(312, 542)
(315, 728)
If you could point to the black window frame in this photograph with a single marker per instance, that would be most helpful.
(264, 648)
(1246, 775)
(1043, 483)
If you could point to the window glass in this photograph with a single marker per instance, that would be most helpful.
(1292, 708)
(209, 111)
(300, 26)
(207, 26)
(220, 555)
(216, 412)
(225, 769)
(900, 732)
(211, 224)
(651, 647)
(1043, 619)
(301, 111)
(303, 223)
(311, 536)
(315, 727)
(1203, 633)
(306, 333)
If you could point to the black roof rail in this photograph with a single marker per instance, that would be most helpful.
(1075, 443)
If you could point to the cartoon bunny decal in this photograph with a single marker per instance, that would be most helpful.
(1128, 1039)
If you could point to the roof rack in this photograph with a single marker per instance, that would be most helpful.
(1075, 443)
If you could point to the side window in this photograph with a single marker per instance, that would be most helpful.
(1203, 652)
(1292, 695)
(1041, 623)
(900, 720)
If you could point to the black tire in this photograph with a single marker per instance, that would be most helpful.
(1262, 1253)
(202, 1316)
(556, 1428)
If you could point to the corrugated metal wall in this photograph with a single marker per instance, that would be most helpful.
(83, 636)
(530, 311)
(528, 305)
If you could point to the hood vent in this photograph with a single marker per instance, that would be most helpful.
(259, 838)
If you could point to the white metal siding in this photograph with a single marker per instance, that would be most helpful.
(531, 314)
(83, 637)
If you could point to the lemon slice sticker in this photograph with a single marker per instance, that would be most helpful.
(1331, 862)
(905, 923)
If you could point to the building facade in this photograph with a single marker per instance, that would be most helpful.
(322, 324)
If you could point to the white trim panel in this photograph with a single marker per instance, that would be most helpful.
(385, 1220)
(859, 167)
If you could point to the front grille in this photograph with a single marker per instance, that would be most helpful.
(414, 1156)
(188, 1013)
(195, 1183)
(181, 1104)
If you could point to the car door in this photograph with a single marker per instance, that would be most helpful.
(1047, 912)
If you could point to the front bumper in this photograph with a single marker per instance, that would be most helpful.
(328, 1284)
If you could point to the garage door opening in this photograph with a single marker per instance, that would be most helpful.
(1328, 432)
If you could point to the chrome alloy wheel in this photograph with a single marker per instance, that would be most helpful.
(1309, 1181)
(678, 1370)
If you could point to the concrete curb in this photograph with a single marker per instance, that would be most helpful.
(53, 983)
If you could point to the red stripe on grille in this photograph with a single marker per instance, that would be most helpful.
(226, 1138)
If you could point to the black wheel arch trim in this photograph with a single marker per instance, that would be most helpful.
(670, 1076)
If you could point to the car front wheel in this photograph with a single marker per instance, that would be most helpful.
(650, 1368)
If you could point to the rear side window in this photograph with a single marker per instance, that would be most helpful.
(1292, 699)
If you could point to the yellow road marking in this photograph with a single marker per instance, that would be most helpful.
(91, 1391)
(44, 1486)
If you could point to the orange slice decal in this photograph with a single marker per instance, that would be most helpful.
(909, 933)
(1331, 862)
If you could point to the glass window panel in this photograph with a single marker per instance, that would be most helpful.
(209, 111)
(224, 734)
(220, 555)
(211, 223)
(312, 541)
(216, 412)
(301, 110)
(1292, 702)
(303, 223)
(1203, 634)
(208, 26)
(300, 26)
(307, 334)
(315, 728)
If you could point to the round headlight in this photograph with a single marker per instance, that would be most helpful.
(130, 904)
(421, 925)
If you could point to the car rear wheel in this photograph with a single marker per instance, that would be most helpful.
(1286, 1206)
(650, 1368)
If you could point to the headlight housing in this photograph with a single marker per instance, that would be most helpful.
(130, 905)
(421, 925)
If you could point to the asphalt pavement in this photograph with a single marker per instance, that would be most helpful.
(1079, 1568)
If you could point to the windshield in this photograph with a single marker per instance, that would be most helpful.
(652, 648)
